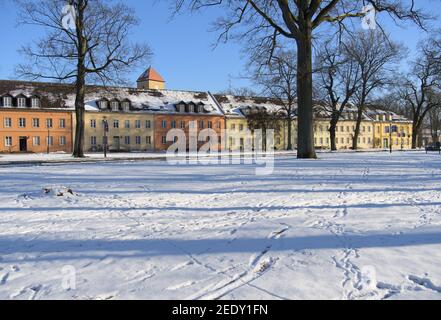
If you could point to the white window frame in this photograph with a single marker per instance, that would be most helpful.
(22, 122)
(62, 123)
(62, 140)
(36, 141)
(35, 103)
(114, 105)
(21, 102)
(36, 123)
(49, 123)
(8, 141)
(7, 101)
(7, 122)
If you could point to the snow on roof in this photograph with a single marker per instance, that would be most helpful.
(235, 105)
(62, 96)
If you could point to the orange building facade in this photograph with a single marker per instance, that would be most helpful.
(35, 131)
(166, 122)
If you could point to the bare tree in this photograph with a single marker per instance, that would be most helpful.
(377, 58)
(278, 79)
(87, 41)
(264, 22)
(435, 123)
(338, 79)
(420, 87)
(262, 119)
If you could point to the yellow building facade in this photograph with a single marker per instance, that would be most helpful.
(389, 131)
(126, 131)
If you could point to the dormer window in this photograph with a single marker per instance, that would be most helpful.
(126, 105)
(7, 102)
(191, 108)
(114, 105)
(102, 104)
(21, 102)
(35, 103)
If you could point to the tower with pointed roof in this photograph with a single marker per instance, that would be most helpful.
(151, 80)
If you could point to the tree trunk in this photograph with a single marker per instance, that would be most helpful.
(415, 131)
(357, 127)
(80, 83)
(289, 148)
(333, 134)
(305, 141)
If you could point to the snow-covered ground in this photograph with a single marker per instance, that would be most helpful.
(347, 226)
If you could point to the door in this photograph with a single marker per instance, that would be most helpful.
(386, 143)
(116, 143)
(23, 144)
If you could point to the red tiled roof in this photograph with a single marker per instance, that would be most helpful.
(151, 74)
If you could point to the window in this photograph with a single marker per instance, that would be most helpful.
(210, 125)
(21, 102)
(127, 140)
(62, 123)
(35, 103)
(182, 124)
(93, 123)
(148, 124)
(218, 125)
(364, 129)
(36, 141)
(49, 123)
(116, 124)
(93, 141)
(164, 124)
(49, 141)
(348, 129)
(127, 124)
(233, 126)
(148, 140)
(7, 102)
(164, 140)
(114, 105)
(8, 141)
(102, 104)
(126, 106)
(138, 140)
(201, 124)
(36, 123)
(173, 124)
(386, 129)
(138, 124)
(231, 141)
(241, 127)
(348, 140)
(22, 122)
(191, 124)
(7, 122)
(62, 141)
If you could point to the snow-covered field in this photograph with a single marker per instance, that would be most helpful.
(347, 226)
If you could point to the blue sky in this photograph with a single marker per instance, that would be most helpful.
(183, 47)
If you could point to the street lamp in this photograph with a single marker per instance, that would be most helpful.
(390, 134)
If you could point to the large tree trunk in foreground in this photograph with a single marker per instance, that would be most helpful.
(305, 144)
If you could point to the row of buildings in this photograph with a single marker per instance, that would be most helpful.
(39, 117)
